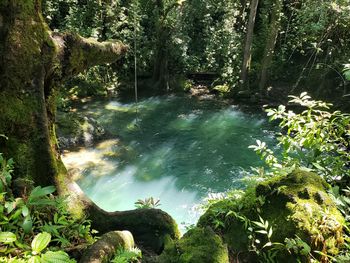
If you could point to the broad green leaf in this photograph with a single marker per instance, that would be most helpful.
(16, 215)
(10, 206)
(25, 211)
(41, 192)
(27, 224)
(7, 237)
(55, 257)
(40, 242)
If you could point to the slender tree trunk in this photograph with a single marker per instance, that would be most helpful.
(247, 55)
(270, 42)
(160, 66)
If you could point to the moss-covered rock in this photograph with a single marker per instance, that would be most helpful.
(197, 245)
(296, 205)
(103, 249)
(74, 130)
(150, 227)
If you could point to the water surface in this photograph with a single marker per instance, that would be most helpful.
(177, 149)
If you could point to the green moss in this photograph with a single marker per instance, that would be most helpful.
(15, 109)
(68, 124)
(197, 245)
(294, 205)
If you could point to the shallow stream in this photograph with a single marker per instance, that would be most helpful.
(177, 149)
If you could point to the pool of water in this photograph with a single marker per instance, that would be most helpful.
(177, 149)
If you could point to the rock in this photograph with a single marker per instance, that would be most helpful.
(148, 226)
(197, 245)
(104, 249)
(75, 130)
(294, 205)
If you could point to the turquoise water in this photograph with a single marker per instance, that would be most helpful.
(177, 149)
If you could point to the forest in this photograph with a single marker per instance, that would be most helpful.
(174, 131)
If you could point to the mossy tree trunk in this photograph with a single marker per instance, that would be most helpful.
(160, 75)
(274, 28)
(247, 55)
(160, 67)
(33, 61)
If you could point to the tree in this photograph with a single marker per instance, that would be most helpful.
(270, 41)
(33, 61)
(163, 29)
(247, 55)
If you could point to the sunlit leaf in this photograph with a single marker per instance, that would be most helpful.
(7, 237)
(40, 242)
(55, 257)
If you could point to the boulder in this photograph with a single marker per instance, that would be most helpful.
(197, 245)
(75, 129)
(295, 206)
(104, 249)
(148, 226)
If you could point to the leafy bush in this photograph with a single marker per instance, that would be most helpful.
(127, 256)
(315, 138)
(36, 255)
(147, 203)
(38, 214)
(318, 140)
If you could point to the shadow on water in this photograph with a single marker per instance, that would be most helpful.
(179, 149)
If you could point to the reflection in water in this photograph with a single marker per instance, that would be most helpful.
(176, 149)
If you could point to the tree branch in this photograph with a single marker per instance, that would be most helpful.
(77, 54)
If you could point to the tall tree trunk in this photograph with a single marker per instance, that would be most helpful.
(160, 66)
(270, 42)
(247, 55)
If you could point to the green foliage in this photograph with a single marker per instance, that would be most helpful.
(40, 242)
(342, 198)
(149, 202)
(36, 255)
(346, 71)
(206, 35)
(209, 38)
(127, 256)
(41, 214)
(197, 245)
(281, 218)
(297, 246)
(315, 138)
(6, 168)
